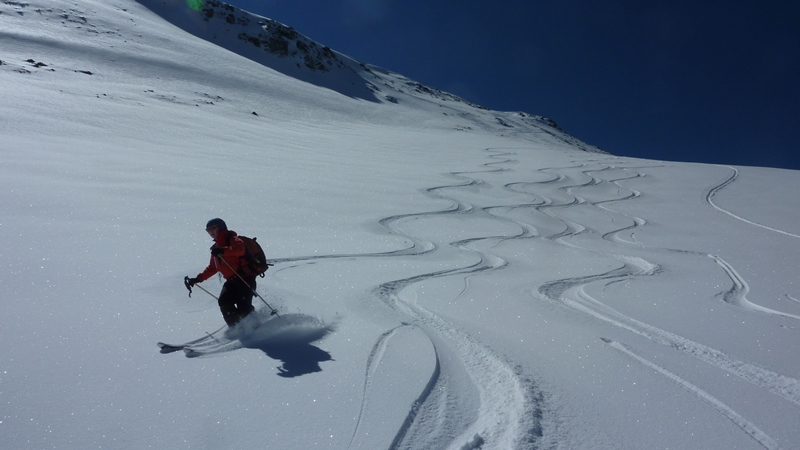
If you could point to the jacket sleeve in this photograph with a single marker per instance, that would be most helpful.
(232, 254)
(209, 271)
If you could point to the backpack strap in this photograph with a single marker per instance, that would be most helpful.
(244, 264)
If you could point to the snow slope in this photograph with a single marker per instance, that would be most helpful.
(448, 276)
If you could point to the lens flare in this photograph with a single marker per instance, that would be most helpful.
(196, 5)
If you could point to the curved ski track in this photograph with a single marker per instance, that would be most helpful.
(715, 190)
(572, 293)
(507, 413)
(512, 420)
(746, 426)
(510, 409)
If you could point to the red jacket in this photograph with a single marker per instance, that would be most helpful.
(234, 251)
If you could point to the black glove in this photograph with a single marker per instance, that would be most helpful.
(192, 281)
(217, 251)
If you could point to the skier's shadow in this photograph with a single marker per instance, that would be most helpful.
(292, 346)
(298, 358)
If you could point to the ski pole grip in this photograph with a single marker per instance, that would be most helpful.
(188, 286)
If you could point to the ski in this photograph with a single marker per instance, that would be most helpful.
(210, 348)
(221, 340)
(169, 348)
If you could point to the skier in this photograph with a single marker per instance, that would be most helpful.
(236, 297)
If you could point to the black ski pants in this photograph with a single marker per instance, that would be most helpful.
(236, 299)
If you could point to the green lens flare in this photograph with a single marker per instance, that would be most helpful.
(196, 5)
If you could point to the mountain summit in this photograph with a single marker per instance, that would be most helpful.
(270, 43)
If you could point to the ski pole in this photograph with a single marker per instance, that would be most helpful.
(189, 287)
(274, 312)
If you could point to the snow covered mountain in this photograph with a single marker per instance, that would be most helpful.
(447, 276)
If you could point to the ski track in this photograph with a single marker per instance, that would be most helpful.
(745, 425)
(433, 382)
(511, 420)
(571, 292)
(738, 292)
(715, 190)
(573, 295)
(372, 362)
(503, 421)
(515, 419)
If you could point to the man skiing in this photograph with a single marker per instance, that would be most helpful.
(227, 254)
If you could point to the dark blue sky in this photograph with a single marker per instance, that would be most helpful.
(707, 81)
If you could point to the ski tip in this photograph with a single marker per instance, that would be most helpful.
(166, 348)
